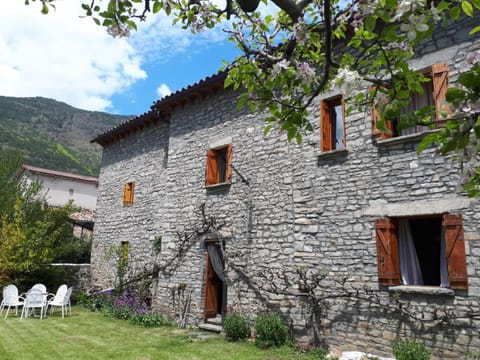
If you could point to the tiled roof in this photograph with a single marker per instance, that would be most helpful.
(59, 174)
(161, 109)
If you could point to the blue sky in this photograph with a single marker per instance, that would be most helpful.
(70, 59)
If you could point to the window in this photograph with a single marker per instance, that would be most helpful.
(128, 190)
(422, 251)
(218, 169)
(332, 124)
(433, 94)
(123, 256)
(71, 191)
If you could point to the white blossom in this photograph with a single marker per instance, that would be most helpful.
(347, 80)
(279, 66)
(407, 6)
(307, 72)
(435, 13)
(415, 24)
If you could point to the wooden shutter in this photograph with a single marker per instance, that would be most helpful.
(228, 170)
(376, 133)
(211, 172)
(440, 87)
(455, 251)
(128, 190)
(387, 252)
(325, 126)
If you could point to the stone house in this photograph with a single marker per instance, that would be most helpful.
(325, 232)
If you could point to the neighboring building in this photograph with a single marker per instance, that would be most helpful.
(60, 187)
(343, 203)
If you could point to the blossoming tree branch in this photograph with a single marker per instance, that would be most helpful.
(303, 48)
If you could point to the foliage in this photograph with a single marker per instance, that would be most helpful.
(409, 350)
(52, 134)
(12, 188)
(236, 326)
(270, 330)
(151, 320)
(125, 305)
(461, 135)
(89, 335)
(304, 48)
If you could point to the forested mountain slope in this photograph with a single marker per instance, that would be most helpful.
(52, 134)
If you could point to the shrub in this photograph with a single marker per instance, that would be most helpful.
(410, 350)
(150, 320)
(236, 327)
(270, 330)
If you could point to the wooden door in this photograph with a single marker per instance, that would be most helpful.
(212, 282)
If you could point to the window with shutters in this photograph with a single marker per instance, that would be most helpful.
(218, 168)
(128, 190)
(332, 124)
(422, 251)
(433, 94)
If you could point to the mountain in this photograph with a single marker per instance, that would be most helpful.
(54, 135)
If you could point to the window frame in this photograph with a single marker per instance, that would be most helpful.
(128, 192)
(439, 75)
(212, 168)
(388, 264)
(328, 130)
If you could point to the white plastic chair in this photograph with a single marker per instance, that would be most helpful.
(34, 299)
(11, 299)
(40, 287)
(63, 301)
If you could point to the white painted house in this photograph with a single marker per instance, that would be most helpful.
(60, 187)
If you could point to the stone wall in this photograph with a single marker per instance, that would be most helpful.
(300, 209)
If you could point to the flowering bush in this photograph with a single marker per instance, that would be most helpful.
(126, 305)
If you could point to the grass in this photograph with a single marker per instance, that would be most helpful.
(88, 335)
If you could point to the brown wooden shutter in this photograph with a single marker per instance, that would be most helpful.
(326, 126)
(228, 171)
(376, 133)
(387, 252)
(211, 171)
(128, 190)
(440, 86)
(455, 251)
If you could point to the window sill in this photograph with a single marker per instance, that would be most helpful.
(332, 154)
(421, 290)
(404, 138)
(218, 187)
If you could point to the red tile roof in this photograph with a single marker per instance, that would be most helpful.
(59, 174)
(161, 109)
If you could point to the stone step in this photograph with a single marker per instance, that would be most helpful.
(210, 327)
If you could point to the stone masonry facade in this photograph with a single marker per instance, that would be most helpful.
(290, 207)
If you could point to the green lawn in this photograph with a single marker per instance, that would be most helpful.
(89, 335)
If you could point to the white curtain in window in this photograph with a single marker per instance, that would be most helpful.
(444, 282)
(409, 264)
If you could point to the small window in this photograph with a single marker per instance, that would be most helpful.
(218, 169)
(70, 191)
(124, 253)
(422, 251)
(433, 93)
(332, 124)
(128, 190)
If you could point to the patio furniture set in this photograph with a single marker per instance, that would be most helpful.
(36, 298)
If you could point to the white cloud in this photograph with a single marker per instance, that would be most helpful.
(63, 56)
(163, 90)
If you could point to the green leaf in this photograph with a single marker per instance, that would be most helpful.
(426, 142)
(455, 12)
(370, 22)
(267, 130)
(467, 8)
(474, 30)
(454, 94)
(476, 3)
(45, 9)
